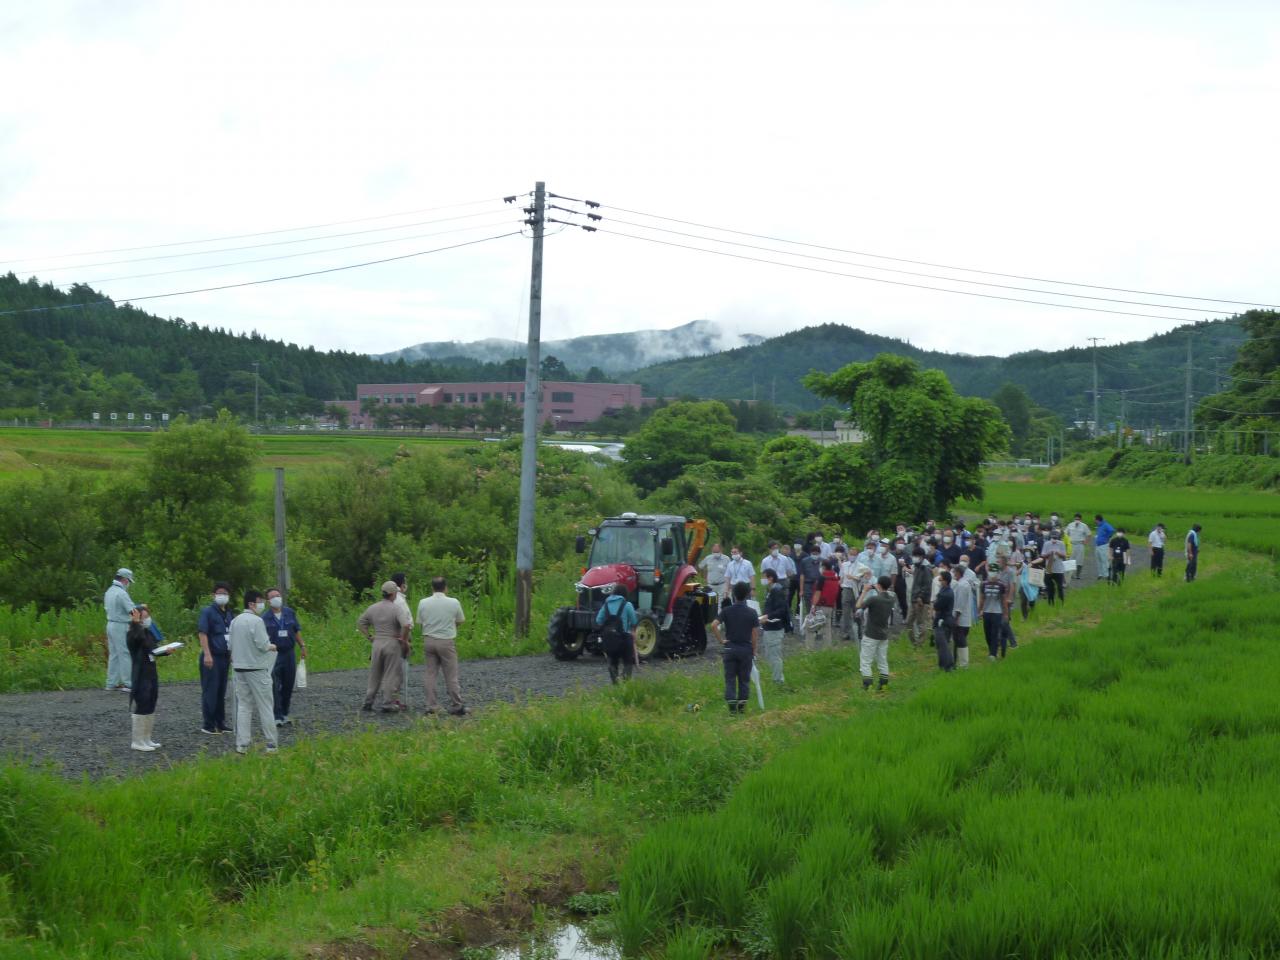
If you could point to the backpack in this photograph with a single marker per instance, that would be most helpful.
(612, 636)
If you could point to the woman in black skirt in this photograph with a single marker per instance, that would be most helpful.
(143, 638)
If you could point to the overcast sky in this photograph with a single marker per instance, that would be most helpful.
(1128, 144)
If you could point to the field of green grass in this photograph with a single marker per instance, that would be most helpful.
(1108, 792)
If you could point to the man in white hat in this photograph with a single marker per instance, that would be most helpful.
(119, 607)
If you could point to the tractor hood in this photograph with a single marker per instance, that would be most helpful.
(620, 573)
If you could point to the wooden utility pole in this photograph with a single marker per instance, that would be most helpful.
(282, 553)
(1186, 412)
(1094, 341)
(529, 452)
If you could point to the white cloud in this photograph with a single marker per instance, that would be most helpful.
(1124, 145)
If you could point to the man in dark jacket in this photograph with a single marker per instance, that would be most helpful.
(921, 597)
(776, 619)
(286, 633)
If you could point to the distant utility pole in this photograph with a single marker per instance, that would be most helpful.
(1120, 425)
(255, 394)
(282, 555)
(1186, 412)
(1094, 341)
(1217, 373)
(529, 452)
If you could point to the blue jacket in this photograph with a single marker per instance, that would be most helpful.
(215, 621)
(283, 628)
(1105, 532)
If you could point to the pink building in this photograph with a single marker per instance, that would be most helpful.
(567, 404)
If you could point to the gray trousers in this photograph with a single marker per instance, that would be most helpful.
(1077, 554)
(119, 663)
(253, 693)
(771, 647)
(386, 672)
(442, 655)
(874, 653)
(1103, 557)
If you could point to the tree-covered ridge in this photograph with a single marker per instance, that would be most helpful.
(1250, 404)
(75, 360)
(1059, 380)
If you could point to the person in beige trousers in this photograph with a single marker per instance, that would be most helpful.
(439, 616)
(387, 628)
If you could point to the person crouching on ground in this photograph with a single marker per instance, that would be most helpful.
(386, 626)
(253, 655)
(142, 638)
(879, 601)
(617, 621)
(776, 619)
(737, 627)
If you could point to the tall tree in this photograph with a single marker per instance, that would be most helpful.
(924, 443)
(680, 436)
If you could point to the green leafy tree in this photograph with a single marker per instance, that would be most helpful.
(1016, 408)
(924, 443)
(341, 414)
(680, 436)
(737, 505)
(197, 522)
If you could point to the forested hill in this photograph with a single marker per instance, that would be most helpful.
(1059, 380)
(73, 361)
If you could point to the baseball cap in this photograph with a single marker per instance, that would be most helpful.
(124, 573)
(390, 587)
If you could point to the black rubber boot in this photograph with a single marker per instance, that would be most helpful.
(884, 682)
(866, 683)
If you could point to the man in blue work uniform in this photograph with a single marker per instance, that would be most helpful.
(1102, 546)
(286, 633)
(617, 620)
(215, 660)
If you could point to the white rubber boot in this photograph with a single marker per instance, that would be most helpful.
(962, 657)
(150, 729)
(139, 734)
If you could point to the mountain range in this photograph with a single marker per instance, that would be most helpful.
(611, 353)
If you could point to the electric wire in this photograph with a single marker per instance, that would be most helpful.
(288, 256)
(912, 273)
(251, 283)
(942, 266)
(260, 246)
(896, 283)
(260, 233)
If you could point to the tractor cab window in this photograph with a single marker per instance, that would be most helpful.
(631, 545)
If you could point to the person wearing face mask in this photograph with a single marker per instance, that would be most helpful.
(143, 639)
(713, 569)
(779, 563)
(951, 549)
(739, 569)
(901, 576)
(215, 660)
(119, 609)
(402, 585)
(964, 591)
(824, 548)
(286, 633)
(253, 656)
(921, 597)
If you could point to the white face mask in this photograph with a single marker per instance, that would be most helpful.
(883, 549)
(817, 540)
(221, 599)
(146, 621)
(277, 603)
(946, 540)
(259, 607)
(965, 564)
(773, 553)
(737, 556)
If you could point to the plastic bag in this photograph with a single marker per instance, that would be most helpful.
(300, 677)
(755, 682)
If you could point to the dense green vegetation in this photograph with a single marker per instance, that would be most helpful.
(1059, 380)
(1053, 806)
(1251, 401)
(1165, 468)
(70, 361)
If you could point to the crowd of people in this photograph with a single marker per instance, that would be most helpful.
(939, 582)
(261, 656)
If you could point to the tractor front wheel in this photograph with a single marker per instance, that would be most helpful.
(647, 634)
(565, 644)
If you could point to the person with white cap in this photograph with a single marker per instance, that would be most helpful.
(119, 608)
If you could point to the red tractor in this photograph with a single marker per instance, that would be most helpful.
(649, 560)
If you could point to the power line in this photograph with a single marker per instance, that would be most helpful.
(251, 283)
(1240, 413)
(260, 233)
(943, 266)
(910, 273)
(288, 256)
(259, 246)
(896, 283)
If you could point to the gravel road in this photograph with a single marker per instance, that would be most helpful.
(86, 732)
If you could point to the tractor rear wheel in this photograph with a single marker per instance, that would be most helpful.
(565, 644)
(647, 634)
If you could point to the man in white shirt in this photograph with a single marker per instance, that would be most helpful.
(779, 563)
(1156, 540)
(850, 591)
(713, 567)
(402, 604)
(439, 616)
(1078, 533)
(739, 569)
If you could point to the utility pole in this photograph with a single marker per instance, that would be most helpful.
(1120, 425)
(282, 555)
(529, 452)
(1186, 411)
(1217, 373)
(1094, 341)
(255, 394)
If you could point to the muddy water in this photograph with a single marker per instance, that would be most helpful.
(567, 943)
